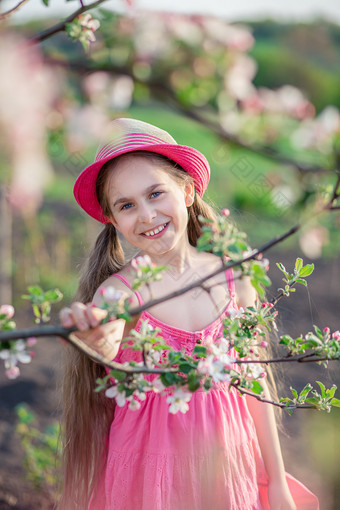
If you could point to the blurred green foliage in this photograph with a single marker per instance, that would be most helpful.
(42, 451)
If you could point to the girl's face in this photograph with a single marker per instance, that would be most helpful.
(149, 208)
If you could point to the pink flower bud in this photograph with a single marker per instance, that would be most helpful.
(336, 335)
(7, 310)
(262, 375)
(225, 212)
(255, 333)
(326, 330)
(31, 341)
(13, 372)
(264, 344)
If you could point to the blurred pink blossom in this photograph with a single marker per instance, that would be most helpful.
(7, 310)
(26, 91)
(238, 80)
(13, 372)
(236, 37)
(84, 125)
(121, 92)
(185, 28)
(312, 241)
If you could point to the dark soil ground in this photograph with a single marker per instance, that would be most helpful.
(310, 448)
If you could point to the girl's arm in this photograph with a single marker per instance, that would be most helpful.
(264, 420)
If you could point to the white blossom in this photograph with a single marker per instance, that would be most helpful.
(255, 370)
(134, 405)
(11, 357)
(179, 401)
(213, 367)
(119, 396)
(236, 314)
(110, 293)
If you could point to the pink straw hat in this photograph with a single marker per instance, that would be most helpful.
(129, 135)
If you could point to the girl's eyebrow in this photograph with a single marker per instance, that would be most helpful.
(147, 190)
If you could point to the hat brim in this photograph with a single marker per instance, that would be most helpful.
(188, 158)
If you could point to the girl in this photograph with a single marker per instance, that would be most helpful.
(224, 452)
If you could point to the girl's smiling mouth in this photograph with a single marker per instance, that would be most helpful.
(156, 231)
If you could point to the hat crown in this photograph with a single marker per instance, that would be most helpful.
(129, 133)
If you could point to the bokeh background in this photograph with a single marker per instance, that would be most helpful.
(257, 92)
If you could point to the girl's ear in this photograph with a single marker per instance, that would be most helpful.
(189, 194)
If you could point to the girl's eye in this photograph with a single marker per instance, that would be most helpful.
(126, 206)
(156, 194)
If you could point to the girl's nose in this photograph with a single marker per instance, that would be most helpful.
(146, 213)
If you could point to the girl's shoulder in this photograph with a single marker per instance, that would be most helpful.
(245, 293)
(121, 282)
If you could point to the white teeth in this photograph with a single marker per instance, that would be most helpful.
(156, 231)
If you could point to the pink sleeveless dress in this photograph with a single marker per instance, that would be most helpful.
(205, 459)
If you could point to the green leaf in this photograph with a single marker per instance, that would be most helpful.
(312, 400)
(193, 382)
(322, 388)
(256, 387)
(200, 351)
(168, 379)
(302, 281)
(208, 384)
(185, 368)
(306, 390)
(318, 332)
(335, 402)
(298, 264)
(282, 269)
(331, 391)
(306, 270)
(116, 374)
(53, 295)
(294, 392)
(35, 290)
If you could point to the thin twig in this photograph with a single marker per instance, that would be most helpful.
(303, 358)
(8, 14)
(272, 402)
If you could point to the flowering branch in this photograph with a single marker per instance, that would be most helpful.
(180, 373)
(267, 401)
(61, 26)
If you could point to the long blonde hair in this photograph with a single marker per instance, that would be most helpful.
(87, 415)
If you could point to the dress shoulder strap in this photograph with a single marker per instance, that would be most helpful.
(229, 273)
(127, 283)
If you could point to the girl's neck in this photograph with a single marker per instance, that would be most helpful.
(177, 260)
